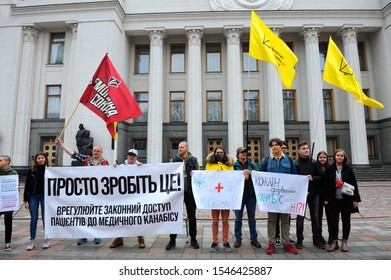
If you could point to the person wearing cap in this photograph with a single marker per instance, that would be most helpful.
(249, 199)
(190, 163)
(131, 160)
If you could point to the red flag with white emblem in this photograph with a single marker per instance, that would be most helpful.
(109, 97)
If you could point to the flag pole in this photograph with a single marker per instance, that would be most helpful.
(248, 92)
(70, 117)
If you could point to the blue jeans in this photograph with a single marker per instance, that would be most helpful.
(35, 200)
(250, 204)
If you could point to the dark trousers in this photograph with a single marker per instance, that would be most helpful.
(320, 214)
(332, 212)
(313, 205)
(191, 215)
(8, 225)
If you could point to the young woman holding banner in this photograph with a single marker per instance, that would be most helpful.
(219, 160)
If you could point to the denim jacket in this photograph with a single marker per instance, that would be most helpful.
(284, 165)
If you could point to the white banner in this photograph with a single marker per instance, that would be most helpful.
(218, 189)
(106, 201)
(9, 193)
(280, 193)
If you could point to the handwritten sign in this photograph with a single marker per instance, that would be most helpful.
(9, 193)
(218, 189)
(280, 193)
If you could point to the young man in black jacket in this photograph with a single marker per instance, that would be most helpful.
(305, 165)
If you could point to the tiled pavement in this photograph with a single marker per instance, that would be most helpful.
(370, 238)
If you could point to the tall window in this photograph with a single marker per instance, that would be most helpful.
(57, 41)
(177, 106)
(251, 105)
(249, 63)
(371, 147)
(328, 104)
(213, 57)
(289, 105)
(178, 58)
(141, 146)
(142, 59)
(367, 110)
(142, 100)
(53, 102)
(322, 54)
(214, 106)
(361, 56)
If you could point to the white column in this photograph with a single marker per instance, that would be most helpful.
(72, 98)
(194, 92)
(155, 99)
(235, 110)
(25, 90)
(358, 132)
(315, 92)
(276, 106)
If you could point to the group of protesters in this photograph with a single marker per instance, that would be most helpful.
(325, 183)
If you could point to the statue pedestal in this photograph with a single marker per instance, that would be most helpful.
(76, 163)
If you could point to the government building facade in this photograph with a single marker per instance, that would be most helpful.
(187, 64)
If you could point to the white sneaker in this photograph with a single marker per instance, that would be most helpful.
(31, 245)
(46, 244)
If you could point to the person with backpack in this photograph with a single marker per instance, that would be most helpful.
(95, 160)
(278, 162)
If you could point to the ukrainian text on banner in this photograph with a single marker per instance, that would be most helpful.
(280, 193)
(218, 189)
(105, 201)
(9, 193)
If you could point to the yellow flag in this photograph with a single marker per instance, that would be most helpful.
(337, 72)
(267, 46)
(115, 128)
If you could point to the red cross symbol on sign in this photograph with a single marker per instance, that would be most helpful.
(219, 187)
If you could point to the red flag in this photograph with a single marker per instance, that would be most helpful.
(109, 97)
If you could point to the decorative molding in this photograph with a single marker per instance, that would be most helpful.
(30, 33)
(232, 5)
(311, 34)
(156, 36)
(233, 35)
(194, 35)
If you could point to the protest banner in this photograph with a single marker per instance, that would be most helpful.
(9, 193)
(218, 189)
(105, 201)
(280, 193)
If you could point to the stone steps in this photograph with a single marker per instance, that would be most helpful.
(373, 173)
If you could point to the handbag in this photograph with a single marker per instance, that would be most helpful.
(347, 189)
